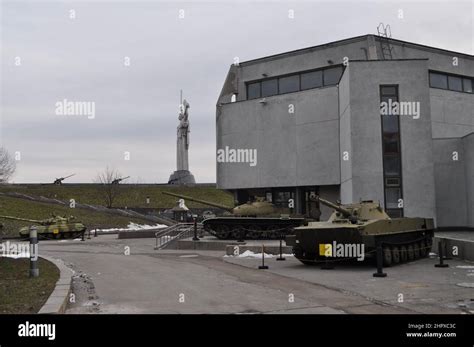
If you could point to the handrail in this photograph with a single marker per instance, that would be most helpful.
(174, 232)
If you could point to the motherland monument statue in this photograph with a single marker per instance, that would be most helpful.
(182, 175)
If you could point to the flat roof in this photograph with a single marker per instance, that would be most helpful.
(349, 40)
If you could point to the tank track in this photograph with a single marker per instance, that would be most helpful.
(393, 253)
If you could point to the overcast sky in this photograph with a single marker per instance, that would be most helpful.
(82, 59)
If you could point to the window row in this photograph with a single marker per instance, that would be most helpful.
(451, 82)
(294, 83)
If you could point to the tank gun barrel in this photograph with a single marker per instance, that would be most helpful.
(224, 207)
(22, 219)
(338, 208)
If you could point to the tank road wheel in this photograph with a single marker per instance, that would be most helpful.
(416, 250)
(273, 232)
(423, 251)
(410, 252)
(254, 232)
(395, 255)
(222, 232)
(403, 254)
(236, 232)
(387, 256)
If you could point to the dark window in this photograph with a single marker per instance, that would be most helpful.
(269, 87)
(391, 197)
(311, 80)
(395, 212)
(390, 144)
(253, 90)
(390, 124)
(391, 165)
(332, 76)
(392, 182)
(467, 84)
(388, 91)
(289, 84)
(438, 80)
(455, 83)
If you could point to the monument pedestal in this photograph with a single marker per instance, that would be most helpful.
(181, 177)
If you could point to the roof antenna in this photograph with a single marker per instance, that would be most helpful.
(385, 34)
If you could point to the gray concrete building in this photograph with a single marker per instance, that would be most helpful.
(366, 118)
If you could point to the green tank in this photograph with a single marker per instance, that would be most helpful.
(362, 226)
(55, 227)
(254, 220)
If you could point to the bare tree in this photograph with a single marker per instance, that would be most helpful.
(110, 191)
(7, 165)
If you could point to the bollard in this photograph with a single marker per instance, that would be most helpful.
(34, 271)
(88, 234)
(440, 254)
(446, 253)
(263, 266)
(82, 239)
(379, 272)
(327, 265)
(95, 232)
(241, 235)
(281, 249)
(195, 238)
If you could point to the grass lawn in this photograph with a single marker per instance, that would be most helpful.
(18, 292)
(130, 195)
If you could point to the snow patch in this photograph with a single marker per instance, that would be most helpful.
(132, 227)
(252, 255)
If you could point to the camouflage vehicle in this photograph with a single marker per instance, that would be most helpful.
(55, 227)
(367, 224)
(253, 220)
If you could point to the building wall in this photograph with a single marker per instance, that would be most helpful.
(468, 146)
(306, 149)
(345, 137)
(416, 139)
(451, 113)
(292, 149)
(450, 178)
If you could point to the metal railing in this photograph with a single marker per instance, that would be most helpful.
(175, 232)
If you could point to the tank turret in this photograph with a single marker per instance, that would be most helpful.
(357, 212)
(254, 220)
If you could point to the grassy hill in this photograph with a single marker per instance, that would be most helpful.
(130, 195)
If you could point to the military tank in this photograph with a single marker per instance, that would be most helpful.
(56, 227)
(253, 220)
(362, 224)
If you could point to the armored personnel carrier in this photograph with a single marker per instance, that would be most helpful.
(367, 224)
(55, 227)
(253, 220)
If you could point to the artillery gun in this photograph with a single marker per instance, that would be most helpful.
(59, 181)
(254, 220)
(55, 227)
(364, 223)
(118, 180)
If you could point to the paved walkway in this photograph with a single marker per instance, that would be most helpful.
(147, 281)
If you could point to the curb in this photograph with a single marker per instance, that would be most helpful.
(58, 299)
